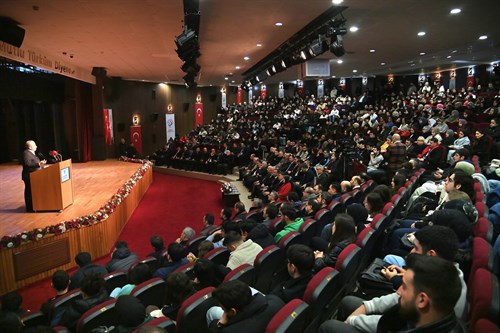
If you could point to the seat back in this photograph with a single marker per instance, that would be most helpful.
(322, 294)
(289, 319)
(482, 256)
(293, 237)
(308, 230)
(162, 322)
(276, 226)
(192, 313)
(151, 262)
(323, 217)
(219, 256)
(33, 319)
(348, 264)
(192, 245)
(358, 196)
(187, 269)
(484, 297)
(245, 273)
(100, 315)
(346, 199)
(61, 302)
(484, 229)
(114, 280)
(336, 207)
(150, 292)
(268, 263)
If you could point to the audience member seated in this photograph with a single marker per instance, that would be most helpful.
(187, 234)
(269, 213)
(93, 293)
(242, 311)
(343, 234)
(179, 288)
(300, 262)
(139, 274)
(242, 252)
(217, 237)
(257, 232)
(12, 302)
(84, 261)
(175, 259)
(122, 258)
(129, 313)
(289, 217)
(158, 246)
(373, 204)
(60, 283)
(10, 322)
(208, 223)
(203, 248)
(208, 274)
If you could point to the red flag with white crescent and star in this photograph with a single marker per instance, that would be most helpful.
(198, 117)
(136, 138)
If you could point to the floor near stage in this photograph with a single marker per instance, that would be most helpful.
(94, 183)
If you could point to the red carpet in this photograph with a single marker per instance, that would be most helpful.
(170, 204)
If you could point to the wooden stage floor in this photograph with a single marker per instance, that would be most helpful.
(94, 183)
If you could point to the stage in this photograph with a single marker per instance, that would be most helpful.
(94, 184)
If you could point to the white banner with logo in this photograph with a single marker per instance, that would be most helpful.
(250, 95)
(364, 81)
(170, 122)
(453, 80)
(224, 97)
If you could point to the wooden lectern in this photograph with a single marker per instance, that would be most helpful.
(52, 186)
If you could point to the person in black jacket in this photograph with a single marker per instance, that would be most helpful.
(343, 234)
(300, 262)
(93, 293)
(243, 312)
(31, 163)
(257, 232)
(122, 258)
(84, 261)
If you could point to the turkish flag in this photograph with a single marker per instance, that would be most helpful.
(136, 138)
(470, 81)
(239, 96)
(108, 126)
(198, 117)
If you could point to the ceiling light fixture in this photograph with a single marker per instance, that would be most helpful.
(259, 45)
(353, 29)
(278, 24)
(237, 67)
(246, 58)
(337, 2)
(421, 33)
(354, 70)
(372, 51)
(382, 64)
(483, 37)
(340, 61)
(422, 53)
(455, 11)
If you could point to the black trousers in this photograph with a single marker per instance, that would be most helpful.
(27, 195)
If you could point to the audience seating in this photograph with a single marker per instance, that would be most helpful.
(389, 210)
(308, 229)
(484, 297)
(482, 257)
(348, 264)
(212, 229)
(61, 329)
(358, 196)
(268, 263)
(188, 269)
(191, 317)
(293, 237)
(61, 302)
(33, 319)
(276, 226)
(162, 322)
(245, 273)
(482, 209)
(336, 207)
(346, 199)
(378, 222)
(151, 262)
(291, 318)
(219, 256)
(323, 217)
(151, 292)
(114, 280)
(255, 215)
(192, 245)
(100, 315)
(484, 229)
(322, 294)
(485, 326)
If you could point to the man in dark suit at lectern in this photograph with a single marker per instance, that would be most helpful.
(31, 163)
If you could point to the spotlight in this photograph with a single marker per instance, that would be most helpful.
(337, 46)
(318, 47)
